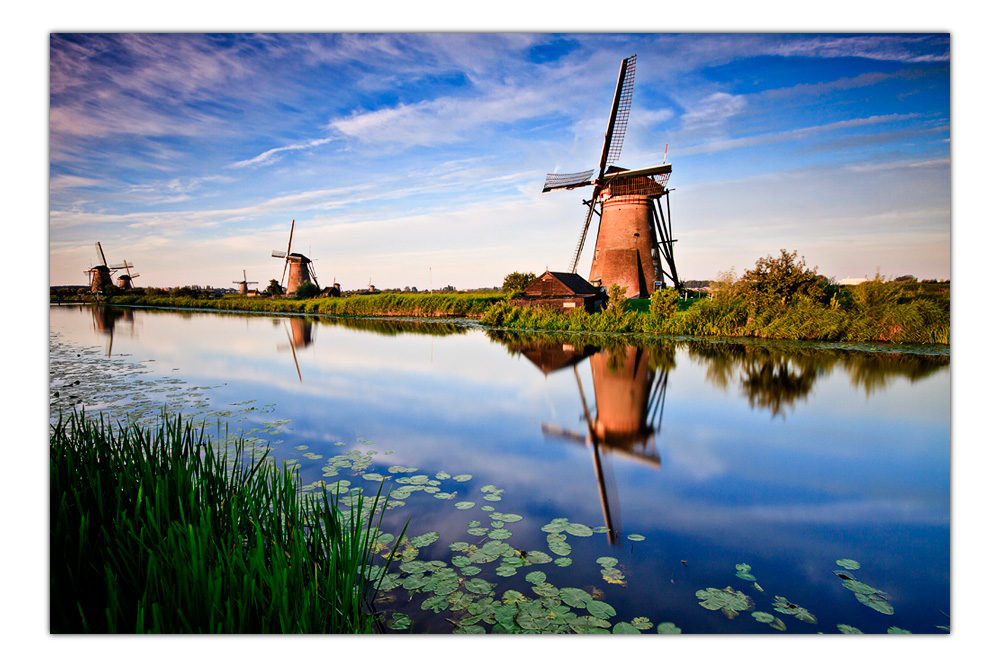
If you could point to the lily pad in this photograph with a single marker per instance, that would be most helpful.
(398, 621)
(848, 629)
(462, 478)
(600, 609)
(607, 561)
(575, 597)
(465, 505)
(478, 586)
(641, 623)
(425, 539)
(785, 607)
(535, 577)
(624, 628)
(849, 564)
(563, 562)
(727, 600)
(667, 629)
(635, 537)
(579, 530)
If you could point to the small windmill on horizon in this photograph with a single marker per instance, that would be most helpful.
(243, 283)
(298, 267)
(632, 232)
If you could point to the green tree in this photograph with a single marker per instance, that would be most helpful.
(307, 290)
(616, 298)
(778, 279)
(273, 288)
(663, 304)
(517, 282)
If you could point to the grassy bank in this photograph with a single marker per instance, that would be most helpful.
(363, 305)
(872, 311)
(155, 531)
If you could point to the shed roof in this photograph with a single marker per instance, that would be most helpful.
(574, 283)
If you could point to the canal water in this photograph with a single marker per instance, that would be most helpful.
(574, 483)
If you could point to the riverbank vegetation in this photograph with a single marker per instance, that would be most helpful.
(780, 298)
(156, 531)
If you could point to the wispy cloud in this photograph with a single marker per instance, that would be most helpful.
(271, 156)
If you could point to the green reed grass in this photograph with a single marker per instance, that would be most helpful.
(157, 531)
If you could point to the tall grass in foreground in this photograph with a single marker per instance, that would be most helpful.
(154, 530)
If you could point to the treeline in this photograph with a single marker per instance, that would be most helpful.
(780, 298)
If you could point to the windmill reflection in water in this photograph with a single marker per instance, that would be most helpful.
(629, 397)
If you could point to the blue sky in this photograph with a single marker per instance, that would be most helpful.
(417, 159)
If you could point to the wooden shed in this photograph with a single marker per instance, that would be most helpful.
(562, 292)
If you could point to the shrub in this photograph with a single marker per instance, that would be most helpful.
(307, 290)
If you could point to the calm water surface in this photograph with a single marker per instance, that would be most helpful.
(692, 457)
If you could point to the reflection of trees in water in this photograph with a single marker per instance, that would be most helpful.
(775, 378)
(394, 327)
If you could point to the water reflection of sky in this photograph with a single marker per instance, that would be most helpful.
(838, 472)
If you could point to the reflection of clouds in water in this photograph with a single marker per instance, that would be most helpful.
(698, 463)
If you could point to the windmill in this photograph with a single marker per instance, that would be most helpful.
(125, 282)
(297, 265)
(632, 232)
(243, 283)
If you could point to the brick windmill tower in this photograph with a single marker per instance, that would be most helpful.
(634, 239)
(297, 265)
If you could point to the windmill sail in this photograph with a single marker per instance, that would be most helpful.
(614, 137)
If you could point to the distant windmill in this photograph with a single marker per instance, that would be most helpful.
(632, 232)
(100, 273)
(126, 282)
(243, 283)
(298, 266)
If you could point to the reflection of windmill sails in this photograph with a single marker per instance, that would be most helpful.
(298, 266)
(299, 332)
(629, 398)
(632, 233)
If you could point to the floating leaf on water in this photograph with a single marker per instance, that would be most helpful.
(607, 561)
(478, 586)
(492, 497)
(538, 557)
(535, 577)
(848, 629)
(470, 630)
(588, 625)
(461, 561)
(876, 603)
(667, 629)
(373, 477)
(898, 631)
(560, 548)
(575, 597)
(497, 524)
(641, 623)
(425, 539)
(623, 628)
(458, 546)
(435, 603)
(462, 478)
(512, 597)
(465, 505)
(757, 586)
(746, 576)
(442, 475)
(579, 530)
(729, 601)
(398, 621)
(849, 564)
(564, 561)
(478, 532)
(546, 590)
(635, 537)
(506, 570)
(785, 607)
(488, 508)
(763, 616)
(500, 534)
(444, 496)
(600, 609)
(510, 518)
(470, 570)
